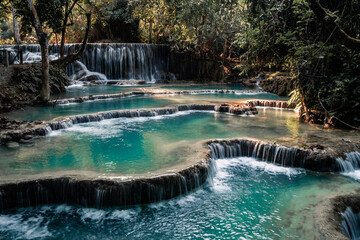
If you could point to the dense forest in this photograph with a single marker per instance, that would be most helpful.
(314, 44)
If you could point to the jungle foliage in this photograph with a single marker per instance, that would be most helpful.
(315, 41)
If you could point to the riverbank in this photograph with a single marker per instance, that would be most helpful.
(20, 85)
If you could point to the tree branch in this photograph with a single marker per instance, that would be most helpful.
(331, 23)
(71, 57)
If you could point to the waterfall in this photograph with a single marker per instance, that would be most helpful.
(104, 192)
(350, 224)
(63, 123)
(82, 74)
(351, 163)
(271, 103)
(280, 155)
(117, 61)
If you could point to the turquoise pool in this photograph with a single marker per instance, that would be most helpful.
(135, 102)
(247, 200)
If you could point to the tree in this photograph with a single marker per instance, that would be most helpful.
(49, 17)
(44, 45)
(15, 24)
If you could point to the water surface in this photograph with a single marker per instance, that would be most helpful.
(247, 200)
(146, 144)
(134, 102)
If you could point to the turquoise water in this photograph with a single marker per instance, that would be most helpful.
(136, 102)
(247, 200)
(141, 145)
(207, 87)
(81, 91)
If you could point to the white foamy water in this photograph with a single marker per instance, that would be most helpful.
(114, 127)
(25, 228)
(224, 170)
(354, 174)
(350, 167)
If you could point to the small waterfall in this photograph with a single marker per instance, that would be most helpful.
(351, 224)
(351, 163)
(270, 103)
(82, 74)
(47, 127)
(104, 192)
(117, 61)
(280, 155)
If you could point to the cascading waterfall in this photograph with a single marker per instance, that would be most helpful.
(117, 61)
(271, 103)
(82, 74)
(351, 224)
(48, 127)
(351, 163)
(281, 155)
(104, 192)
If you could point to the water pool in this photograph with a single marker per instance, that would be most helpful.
(74, 91)
(135, 102)
(247, 200)
(145, 144)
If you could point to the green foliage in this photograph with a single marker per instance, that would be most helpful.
(4, 10)
(50, 14)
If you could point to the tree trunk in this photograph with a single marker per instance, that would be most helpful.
(44, 45)
(67, 13)
(150, 31)
(45, 87)
(63, 31)
(16, 25)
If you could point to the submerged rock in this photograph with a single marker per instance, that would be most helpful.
(12, 145)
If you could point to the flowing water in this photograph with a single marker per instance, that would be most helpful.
(351, 224)
(350, 166)
(247, 200)
(119, 61)
(244, 199)
(141, 145)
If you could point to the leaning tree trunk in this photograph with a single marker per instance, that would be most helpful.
(16, 25)
(44, 45)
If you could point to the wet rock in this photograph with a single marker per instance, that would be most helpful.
(27, 137)
(223, 108)
(236, 109)
(320, 147)
(12, 145)
(328, 215)
(26, 141)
